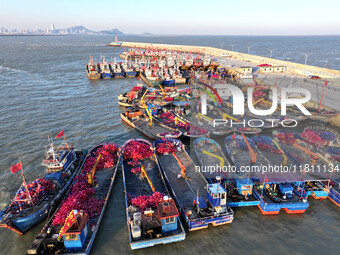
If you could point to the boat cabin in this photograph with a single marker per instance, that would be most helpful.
(216, 196)
(244, 186)
(153, 109)
(74, 238)
(286, 190)
(168, 215)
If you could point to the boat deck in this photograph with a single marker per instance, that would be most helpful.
(137, 186)
(152, 131)
(242, 157)
(268, 199)
(185, 189)
(209, 160)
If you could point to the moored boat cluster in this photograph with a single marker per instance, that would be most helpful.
(169, 188)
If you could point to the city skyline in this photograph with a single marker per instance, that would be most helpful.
(189, 17)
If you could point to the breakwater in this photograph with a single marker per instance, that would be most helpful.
(292, 67)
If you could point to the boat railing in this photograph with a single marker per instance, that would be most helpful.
(226, 213)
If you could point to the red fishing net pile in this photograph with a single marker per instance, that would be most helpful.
(287, 138)
(317, 138)
(259, 94)
(37, 189)
(80, 196)
(136, 151)
(265, 145)
(136, 170)
(166, 147)
(143, 202)
(169, 133)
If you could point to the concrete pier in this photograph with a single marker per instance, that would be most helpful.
(291, 66)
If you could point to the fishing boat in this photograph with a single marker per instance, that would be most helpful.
(167, 79)
(206, 61)
(60, 158)
(210, 121)
(92, 71)
(326, 142)
(279, 185)
(144, 124)
(116, 69)
(34, 201)
(216, 166)
(152, 215)
(74, 225)
(312, 183)
(200, 203)
(150, 81)
(169, 119)
(105, 70)
(128, 69)
(136, 92)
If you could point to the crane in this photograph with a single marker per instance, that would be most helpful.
(315, 156)
(252, 154)
(141, 100)
(218, 157)
(93, 170)
(149, 114)
(162, 89)
(178, 119)
(145, 175)
(183, 168)
(284, 163)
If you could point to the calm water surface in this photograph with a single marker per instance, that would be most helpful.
(44, 89)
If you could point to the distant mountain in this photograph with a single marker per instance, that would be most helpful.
(114, 31)
(84, 30)
(147, 34)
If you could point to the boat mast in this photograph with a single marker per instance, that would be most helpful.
(29, 199)
(50, 140)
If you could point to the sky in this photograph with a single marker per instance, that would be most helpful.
(175, 17)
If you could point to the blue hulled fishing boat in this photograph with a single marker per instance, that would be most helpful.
(275, 188)
(314, 183)
(34, 201)
(116, 69)
(200, 203)
(152, 215)
(74, 225)
(216, 166)
(105, 70)
(269, 188)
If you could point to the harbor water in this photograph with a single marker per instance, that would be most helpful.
(44, 89)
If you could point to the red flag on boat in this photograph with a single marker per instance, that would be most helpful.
(17, 167)
(60, 134)
(326, 83)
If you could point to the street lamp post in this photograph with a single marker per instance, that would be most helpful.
(222, 44)
(271, 51)
(306, 55)
(249, 48)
